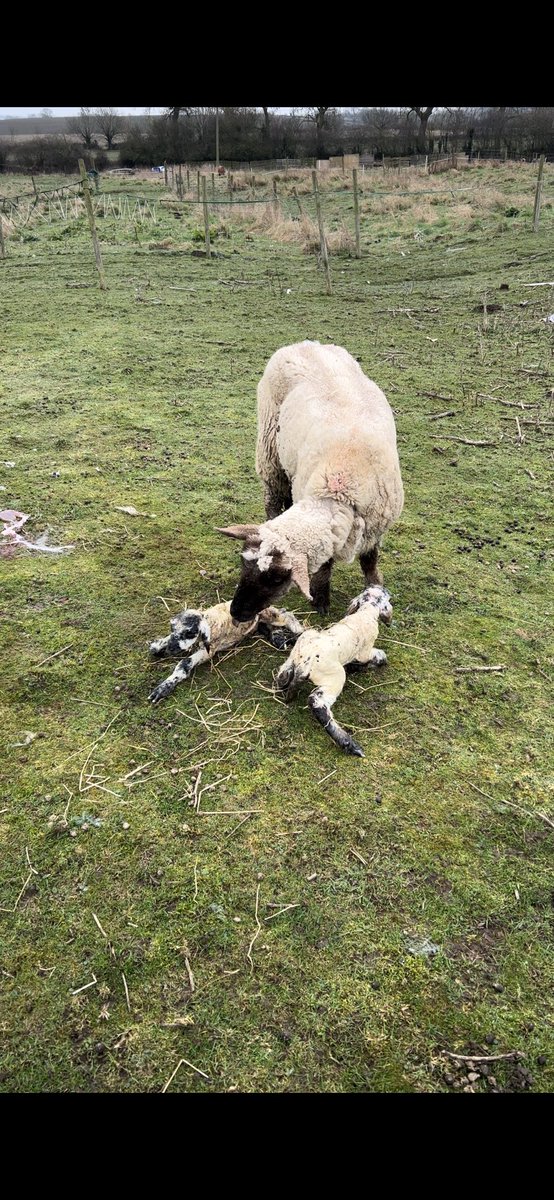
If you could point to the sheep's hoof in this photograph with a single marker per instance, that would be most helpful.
(161, 692)
(352, 747)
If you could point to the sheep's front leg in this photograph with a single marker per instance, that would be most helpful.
(182, 671)
(320, 588)
(320, 703)
(277, 496)
(370, 570)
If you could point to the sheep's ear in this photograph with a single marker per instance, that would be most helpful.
(355, 604)
(300, 575)
(242, 532)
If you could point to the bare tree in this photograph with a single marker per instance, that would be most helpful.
(423, 115)
(84, 125)
(109, 123)
(267, 124)
(175, 113)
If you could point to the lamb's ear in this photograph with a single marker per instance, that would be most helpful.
(355, 604)
(300, 575)
(242, 532)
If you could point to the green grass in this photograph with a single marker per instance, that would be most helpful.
(145, 396)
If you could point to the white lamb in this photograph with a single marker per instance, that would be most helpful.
(327, 455)
(325, 655)
(207, 631)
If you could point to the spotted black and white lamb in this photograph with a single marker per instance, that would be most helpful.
(324, 656)
(205, 632)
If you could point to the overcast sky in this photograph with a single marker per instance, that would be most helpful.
(6, 111)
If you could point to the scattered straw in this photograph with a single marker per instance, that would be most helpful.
(257, 933)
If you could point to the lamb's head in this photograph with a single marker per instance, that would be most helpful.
(269, 569)
(378, 597)
(188, 629)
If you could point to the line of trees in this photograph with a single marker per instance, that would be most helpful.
(257, 134)
(249, 134)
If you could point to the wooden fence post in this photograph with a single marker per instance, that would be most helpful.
(356, 212)
(180, 183)
(188, 179)
(275, 199)
(165, 174)
(322, 242)
(213, 185)
(537, 209)
(298, 201)
(206, 217)
(230, 180)
(92, 223)
(198, 185)
(2, 246)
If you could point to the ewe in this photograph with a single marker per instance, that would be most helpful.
(327, 455)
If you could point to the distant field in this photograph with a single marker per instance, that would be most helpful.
(402, 904)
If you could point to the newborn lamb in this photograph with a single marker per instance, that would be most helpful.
(325, 655)
(206, 632)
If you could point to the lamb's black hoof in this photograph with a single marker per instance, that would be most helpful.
(161, 692)
(353, 748)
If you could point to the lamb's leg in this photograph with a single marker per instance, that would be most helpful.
(377, 658)
(320, 703)
(320, 588)
(289, 680)
(370, 570)
(182, 671)
(279, 627)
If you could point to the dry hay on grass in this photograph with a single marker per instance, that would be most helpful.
(302, 231)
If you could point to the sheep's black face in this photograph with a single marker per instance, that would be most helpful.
(262, 582)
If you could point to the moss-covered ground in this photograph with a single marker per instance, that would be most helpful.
(349, 872)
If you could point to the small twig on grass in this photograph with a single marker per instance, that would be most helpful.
(104, 935)
(187, 1064)
(257, 933)
(356, 855)
(542, 816)
(126, 991)
(51, 656)
(190, 975)
(410, 645)
(195, 880)
(450, 437)
(520, 435)
(75, 991)
(237, 827)
(500, 667)
(437, 396)
(281, 911)
(229, 812)
(450, 412)
(483, 1057)
(333, 772)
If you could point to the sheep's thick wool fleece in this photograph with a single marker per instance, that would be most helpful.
(332, 431)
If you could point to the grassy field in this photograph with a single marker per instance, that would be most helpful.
(356, 918)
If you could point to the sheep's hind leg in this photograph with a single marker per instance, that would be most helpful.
(181, 672)
(370, 570)
(320, 703)
(377, 658)
(320, 588)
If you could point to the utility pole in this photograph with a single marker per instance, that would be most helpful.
(217, 139)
